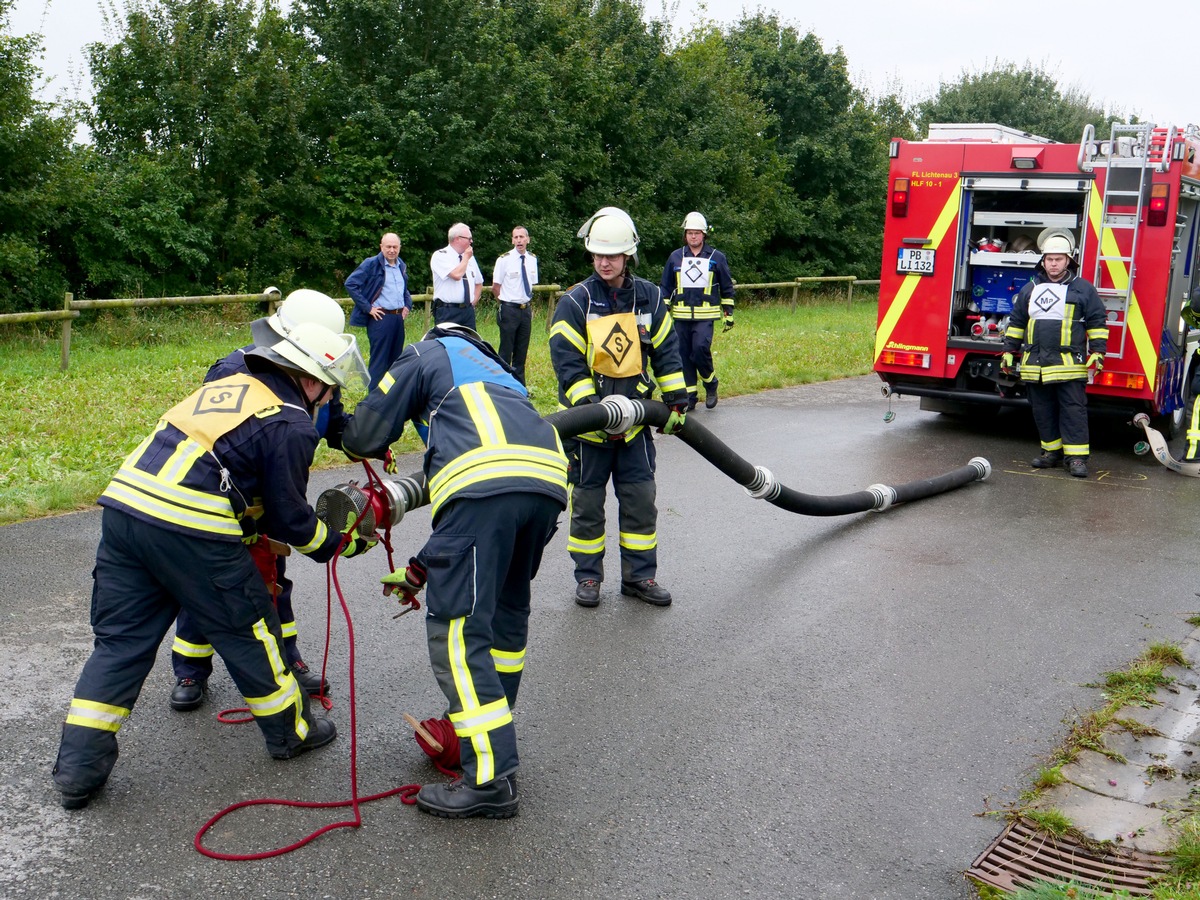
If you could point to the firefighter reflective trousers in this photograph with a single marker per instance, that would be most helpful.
(695, 350)
(143, 576)
(1060, 413)
(630, 466)
(480, 559)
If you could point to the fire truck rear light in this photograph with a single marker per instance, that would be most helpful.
(1118, 380)
(1160, 196)
(904, 358)
(900, 198)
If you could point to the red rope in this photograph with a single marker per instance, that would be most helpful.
(407, 792)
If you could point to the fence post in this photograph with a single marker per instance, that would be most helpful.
(850, 290)
(66, 333)
(795, 294)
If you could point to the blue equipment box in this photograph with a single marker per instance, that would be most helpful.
(995, 287)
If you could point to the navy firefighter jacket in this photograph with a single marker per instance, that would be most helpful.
(482, 435)
(206, 483)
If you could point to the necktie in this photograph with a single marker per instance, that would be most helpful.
(525, 278)
(466, 282)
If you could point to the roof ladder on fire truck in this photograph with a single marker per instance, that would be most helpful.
(1129, 156)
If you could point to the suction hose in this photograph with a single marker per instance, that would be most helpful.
(617, 414)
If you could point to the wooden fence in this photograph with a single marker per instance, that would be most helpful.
(271, 296)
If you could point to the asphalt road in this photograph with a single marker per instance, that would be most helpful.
(827, 710)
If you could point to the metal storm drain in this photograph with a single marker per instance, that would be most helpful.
(1023, 855)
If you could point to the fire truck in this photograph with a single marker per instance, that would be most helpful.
(967, 210)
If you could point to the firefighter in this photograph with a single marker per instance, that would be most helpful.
(191, 653)
(174, 518)
(607, 330)
(497, 479)
(1058, 324)
(1191, 315)
(687, 283)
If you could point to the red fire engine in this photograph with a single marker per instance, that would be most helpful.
(966, 212)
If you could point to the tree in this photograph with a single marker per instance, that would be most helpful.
(1026, 98)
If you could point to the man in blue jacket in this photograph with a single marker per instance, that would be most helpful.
(379, 289)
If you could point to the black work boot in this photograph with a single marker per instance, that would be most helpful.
(710, 395)
(188, 694)
(310, 682)
(692, 398)
(1048, 460)
(1077, 467)
(320, 733)
(587, 593)
(458, 800)
(649, 590)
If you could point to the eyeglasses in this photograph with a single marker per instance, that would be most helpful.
(463, 237)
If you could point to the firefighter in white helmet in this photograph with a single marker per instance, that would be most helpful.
(608, 331)
(191, 652)
(173, 522)
(699, 289)
(1058, 324)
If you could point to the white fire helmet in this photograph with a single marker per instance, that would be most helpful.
(315, 350)
(306, 305)
(693, 221)
(1057, 243)
(610, 232)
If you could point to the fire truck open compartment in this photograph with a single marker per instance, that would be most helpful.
(968, 209)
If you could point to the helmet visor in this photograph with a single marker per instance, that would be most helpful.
(342, 368)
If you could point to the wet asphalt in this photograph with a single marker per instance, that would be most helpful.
(830, 708)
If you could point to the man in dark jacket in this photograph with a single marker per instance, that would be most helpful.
(497, 481)
(175, 516)
(382, 301)
(1058, 322)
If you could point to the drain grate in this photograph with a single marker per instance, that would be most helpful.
(1023, 854)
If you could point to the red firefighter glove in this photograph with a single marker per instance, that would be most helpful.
(406, 585)
(1006, 363)
(676, 419)
(1096, 360)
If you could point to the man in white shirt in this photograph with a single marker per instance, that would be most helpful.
(457, 280)
(513, 278)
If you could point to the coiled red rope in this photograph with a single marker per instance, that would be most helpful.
(406, 792)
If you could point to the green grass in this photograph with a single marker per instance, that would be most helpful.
(65, 433)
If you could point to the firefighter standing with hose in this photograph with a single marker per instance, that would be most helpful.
(687, 284)
(171, 537)
(191, 653)
(607, 331)
(1058, 322)
(497, 481)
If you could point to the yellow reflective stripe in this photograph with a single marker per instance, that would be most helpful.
(1076, 449)
(664, 329)
(1119, 273)
(1014, 332)
(569, 334)
(101, 716)
(584, 387)
(167, 512)
(582, 545)
(508, 660)
(172, 492)
(180, 462)
(289, 691)
(639, 541)
(1056, 444)
(480, 719)
(483, 414)
(187, 648)
(909, 284)
(1095, 334)
(488, 463)
(673, 382)
(386, 382)
(320, 533)
(289, 629)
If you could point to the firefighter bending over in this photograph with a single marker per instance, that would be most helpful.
(607, 330)
(1058, 324)
(175, 515)
(497, 481)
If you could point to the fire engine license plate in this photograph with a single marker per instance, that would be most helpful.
(915, 262)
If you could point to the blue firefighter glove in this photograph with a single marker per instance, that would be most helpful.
(389, 463)
(1006, 363)
(1097, 360)
(676, 419)
(406, 585)
(356, 544)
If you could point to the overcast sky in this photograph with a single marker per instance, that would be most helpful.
(1115, 52)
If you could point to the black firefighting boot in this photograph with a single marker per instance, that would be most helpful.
(310, 682)
(692, 398)
(320, 733)
(647, 589)
(458, 800)
(1077, 466)
(1051, 459)
(188, 694)
(587, 593)
(710, 394)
